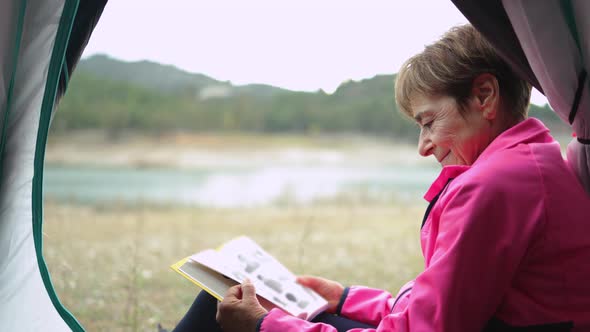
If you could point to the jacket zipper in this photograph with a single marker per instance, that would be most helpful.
(399, 297)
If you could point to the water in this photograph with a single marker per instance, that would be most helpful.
(236, 186)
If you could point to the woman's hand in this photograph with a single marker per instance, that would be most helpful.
(240, 310)
(328, 289)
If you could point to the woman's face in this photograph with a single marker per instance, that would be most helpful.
(451, 137)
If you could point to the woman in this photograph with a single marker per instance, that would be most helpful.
(506, 236)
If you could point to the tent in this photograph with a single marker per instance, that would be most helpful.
(41, 42)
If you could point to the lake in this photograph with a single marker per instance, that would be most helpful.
(232, 186)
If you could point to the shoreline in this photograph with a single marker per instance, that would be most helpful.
(189, 151)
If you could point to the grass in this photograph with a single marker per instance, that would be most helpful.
(110, 264)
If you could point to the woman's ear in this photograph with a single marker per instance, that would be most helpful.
(486, 91)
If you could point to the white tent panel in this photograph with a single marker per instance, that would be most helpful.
(579, 154)
(556, 60)
(9, 11)
(549, 48)
(582, 17)
(26, 305)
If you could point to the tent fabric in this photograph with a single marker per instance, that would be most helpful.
(553, 57)
(87, 16)
(490, 19)
(37, 59)
(559, 54)
(29, 302)
(8, 26)
(11, 23)
(26, 305)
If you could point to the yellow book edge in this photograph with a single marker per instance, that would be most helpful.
(176, 267)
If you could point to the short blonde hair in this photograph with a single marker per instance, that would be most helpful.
(449, 66)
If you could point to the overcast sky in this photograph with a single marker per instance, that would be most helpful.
(295, 44)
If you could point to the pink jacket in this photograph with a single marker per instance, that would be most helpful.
(506, 243)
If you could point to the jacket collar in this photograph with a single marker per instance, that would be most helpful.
(448, 173)
(527, 131)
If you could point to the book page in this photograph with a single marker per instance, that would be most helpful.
(242, 258)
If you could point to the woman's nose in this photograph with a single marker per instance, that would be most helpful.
(425, 145)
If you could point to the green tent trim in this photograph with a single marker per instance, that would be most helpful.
(53, 76)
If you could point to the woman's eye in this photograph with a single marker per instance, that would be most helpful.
(428, 124)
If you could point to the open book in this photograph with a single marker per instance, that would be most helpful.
(217, 270)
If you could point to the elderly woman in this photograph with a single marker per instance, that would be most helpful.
(506, 237)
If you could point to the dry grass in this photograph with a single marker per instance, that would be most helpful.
(110, 264)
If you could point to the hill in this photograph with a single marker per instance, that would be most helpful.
(153, 98)
(166, 78)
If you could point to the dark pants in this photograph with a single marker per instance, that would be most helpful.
(201, 317)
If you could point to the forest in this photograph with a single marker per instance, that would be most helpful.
(152, 98)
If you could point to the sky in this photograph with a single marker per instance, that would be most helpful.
(301, 45)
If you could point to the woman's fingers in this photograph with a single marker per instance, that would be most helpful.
(318, 284)
(248, 290)
(240, 311)
(328, 289)
(217, 313)
(310, 281)
(233, 294)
